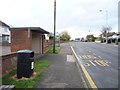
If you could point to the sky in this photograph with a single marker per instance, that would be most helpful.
(78, 17)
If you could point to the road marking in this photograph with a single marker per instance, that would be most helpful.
(98, 63)
(95, 57)
(92, 63)
(91, 82)
(89, 56)
(104, 63)
(100, 57)
(87, 64)
(80, 56)
(107, 61)
(84, 56)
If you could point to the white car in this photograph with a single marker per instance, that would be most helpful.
(98, 41)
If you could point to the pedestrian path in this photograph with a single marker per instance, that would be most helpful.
(62, 73)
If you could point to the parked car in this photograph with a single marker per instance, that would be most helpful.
(98, 41)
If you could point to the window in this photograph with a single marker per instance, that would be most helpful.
(5, 38)
(5, 29)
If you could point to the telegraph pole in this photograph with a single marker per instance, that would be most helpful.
(54, 25)
(106, 25)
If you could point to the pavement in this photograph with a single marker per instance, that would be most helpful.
(100, 61)
(63, 72)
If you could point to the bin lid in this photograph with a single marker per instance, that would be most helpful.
(24, 51)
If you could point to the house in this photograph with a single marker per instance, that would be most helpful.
(4, 33)
(31, 38)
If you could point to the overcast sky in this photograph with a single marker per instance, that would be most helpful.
(75, 16)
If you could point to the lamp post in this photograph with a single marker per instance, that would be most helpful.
(54, 25)
(106, 23)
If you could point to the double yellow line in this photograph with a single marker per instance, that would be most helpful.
(92, 84)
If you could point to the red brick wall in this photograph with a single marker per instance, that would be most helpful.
(5, 44)
(8, 63)
(20, 40)
(47, 44)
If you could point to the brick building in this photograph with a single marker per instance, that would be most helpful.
(31, 38)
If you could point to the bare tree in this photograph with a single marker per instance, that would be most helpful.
(105, 29)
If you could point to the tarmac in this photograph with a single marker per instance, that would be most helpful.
(63, 72)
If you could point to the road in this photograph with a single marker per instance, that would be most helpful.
(100, 61)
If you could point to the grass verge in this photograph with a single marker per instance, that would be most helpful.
(57, 50)
(66, 41)
(39, 66)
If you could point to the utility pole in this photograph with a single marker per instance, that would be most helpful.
(106, 23)
(54, 25)
(90, 36)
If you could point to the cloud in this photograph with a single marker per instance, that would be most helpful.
(76, 16)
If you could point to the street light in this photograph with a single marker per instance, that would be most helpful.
(54, 25)
(106, 23)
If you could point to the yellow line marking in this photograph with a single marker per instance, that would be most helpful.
(89, 56)
(95, 57)
(85, 56)
(107, 61)
(105, 64)
(80, 56)
(92, 63)
(92, 84)
(98, 63)
(99, 56)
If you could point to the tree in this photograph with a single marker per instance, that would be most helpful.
(90, 38)
(104, 30)
(103, 34)
(65, 36)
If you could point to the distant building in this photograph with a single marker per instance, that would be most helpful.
(4, 33)
(77, 39)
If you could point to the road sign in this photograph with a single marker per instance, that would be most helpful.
(57, 39)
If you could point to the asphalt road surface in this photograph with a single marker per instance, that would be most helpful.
(100, 61)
